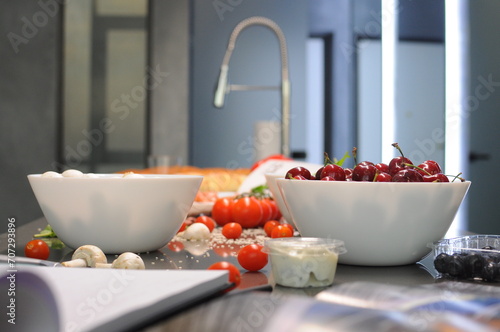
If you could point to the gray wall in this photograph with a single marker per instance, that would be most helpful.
(169, 101)
(223, 137)
(29, 102)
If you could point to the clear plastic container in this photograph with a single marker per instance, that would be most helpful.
(472, 257)
(304, 262)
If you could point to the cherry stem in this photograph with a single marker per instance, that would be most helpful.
(355, 155)
(396, 145)
(457, 177)
(419, 168)
(328, 161)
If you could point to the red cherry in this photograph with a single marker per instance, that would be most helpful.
(334, 171)
(364, 171)
(383, 177)
(299, 177)
(327, 178)
(429, 167)
(439, 177)
(348, 174)
(299, 170)
(382, 167)
(397, 164)
(407, 175)
(318, 173)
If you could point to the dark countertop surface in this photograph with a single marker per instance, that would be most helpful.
(174, 256)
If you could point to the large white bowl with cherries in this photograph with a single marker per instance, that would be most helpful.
(116, 212)
(381, 223)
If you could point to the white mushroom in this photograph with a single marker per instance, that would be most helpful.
(127, 260)
(195, 232)
(72, 173)
(51, 174)
(132, 175)
(90, 176)
(86, 256)
(197, 248)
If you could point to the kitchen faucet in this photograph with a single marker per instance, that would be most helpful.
(224, 88)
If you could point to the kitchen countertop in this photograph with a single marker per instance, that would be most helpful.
(172, 257)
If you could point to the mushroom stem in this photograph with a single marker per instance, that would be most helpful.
(86, 256)
(79, 262)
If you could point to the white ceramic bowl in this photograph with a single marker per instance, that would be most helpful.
(114, 213)
(278, 197)
(381, 223)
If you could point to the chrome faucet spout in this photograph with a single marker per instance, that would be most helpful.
(224, 88)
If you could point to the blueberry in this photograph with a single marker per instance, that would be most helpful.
(493, 256)
(491, 271)
(441, 262)
(473, 265)
(456, 266)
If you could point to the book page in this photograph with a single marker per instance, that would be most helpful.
(106, 299)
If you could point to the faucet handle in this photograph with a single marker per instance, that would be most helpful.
(220, 92)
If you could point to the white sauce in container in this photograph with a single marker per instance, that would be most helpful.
(304, 262)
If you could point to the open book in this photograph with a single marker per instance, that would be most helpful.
(85, 299)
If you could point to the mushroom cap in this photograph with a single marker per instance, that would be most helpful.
(196, 232)
(91, 254)
(128, 260)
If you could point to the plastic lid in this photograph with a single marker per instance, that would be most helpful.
(298, 243)
(469, 242)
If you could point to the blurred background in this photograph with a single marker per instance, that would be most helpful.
(100, 85)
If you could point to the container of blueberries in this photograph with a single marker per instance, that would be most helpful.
(472, 257)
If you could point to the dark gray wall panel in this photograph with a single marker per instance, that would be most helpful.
(29, 82)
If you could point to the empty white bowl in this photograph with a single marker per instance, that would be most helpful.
(114, 213)
(381, 223)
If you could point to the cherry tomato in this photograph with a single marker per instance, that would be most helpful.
(207, 221)
(276, 211)
(222, 210)
(267, 211)
(252, 258)
(185, 224)
(176, 246)
(269, 226)
(234, 273)
(37, 248)
(247, 211)
(232, 230)
(289, 226)
(281, 231)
